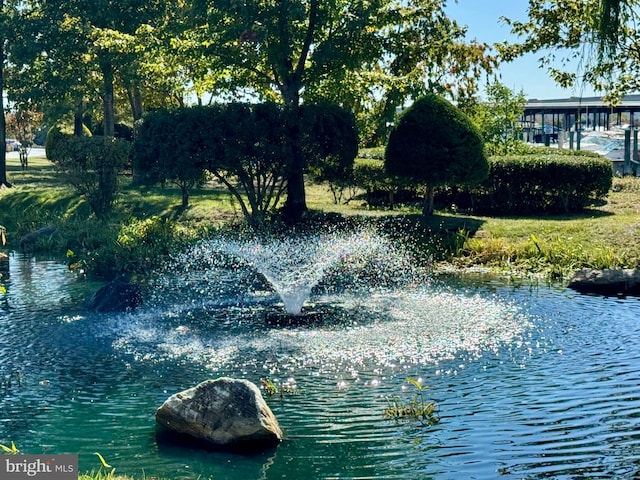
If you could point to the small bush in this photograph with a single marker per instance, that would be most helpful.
(91, 166)
(58, 133)
(54, 137)
(381, 189)
(550, 182)
(129, 246)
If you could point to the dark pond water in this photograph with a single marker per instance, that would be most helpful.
(531, 381)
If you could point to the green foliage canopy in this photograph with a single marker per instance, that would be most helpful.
(370, 56)
(600, 35)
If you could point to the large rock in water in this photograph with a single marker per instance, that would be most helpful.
(224, 412)
(119, 295)
(607, 282)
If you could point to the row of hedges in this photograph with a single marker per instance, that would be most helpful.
(542, 181)
(548, 183)
(380, 188)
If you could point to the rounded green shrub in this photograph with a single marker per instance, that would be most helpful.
(435, 144)
(54, 136)
(59, 132)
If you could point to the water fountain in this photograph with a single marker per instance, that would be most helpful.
(530, 380)
(292, 266)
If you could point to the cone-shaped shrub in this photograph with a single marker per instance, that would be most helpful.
(433, 144)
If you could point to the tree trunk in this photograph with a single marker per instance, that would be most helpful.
(78, 125)
(296, 204)
(3, 132)
(108, 97)
(427, 208)
(289, 78)
(185, 196)
(135, 100)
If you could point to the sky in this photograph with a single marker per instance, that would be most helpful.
(524, 74)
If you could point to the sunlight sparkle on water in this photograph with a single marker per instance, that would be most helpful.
(409, 328)
(382, 314)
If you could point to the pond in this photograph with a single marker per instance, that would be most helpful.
(531, 381)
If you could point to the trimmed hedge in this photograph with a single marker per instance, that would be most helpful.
(58, 133)
(540, 181)
(381, 189)
(550, 182)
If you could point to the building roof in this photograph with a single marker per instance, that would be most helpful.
(628, 103)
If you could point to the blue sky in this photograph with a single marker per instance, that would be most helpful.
(524, 74)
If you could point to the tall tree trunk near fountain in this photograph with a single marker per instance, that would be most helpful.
(108, 96)
(289, 80)
(296, 203)
(78, 125)
(427, 206)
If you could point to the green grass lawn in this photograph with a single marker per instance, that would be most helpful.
(601, 237)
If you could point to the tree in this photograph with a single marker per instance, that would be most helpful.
(3, 128)
(498, 118)
(7, 15)
(244, 146)
(50, 69)
(91, 165)
(23, 123)
(73, 54)
(291, 49)
(600, 34)
(169, 147)
(435, 144)
(251, 156)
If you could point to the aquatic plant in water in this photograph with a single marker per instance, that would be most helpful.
(106, 471)
(417, 408)
(272, 388)
(11, 450)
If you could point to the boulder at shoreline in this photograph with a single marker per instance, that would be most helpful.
(225, 412)
(28, 239)
(607, 282)
(119, 295)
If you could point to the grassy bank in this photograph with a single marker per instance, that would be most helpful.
(147, 223)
